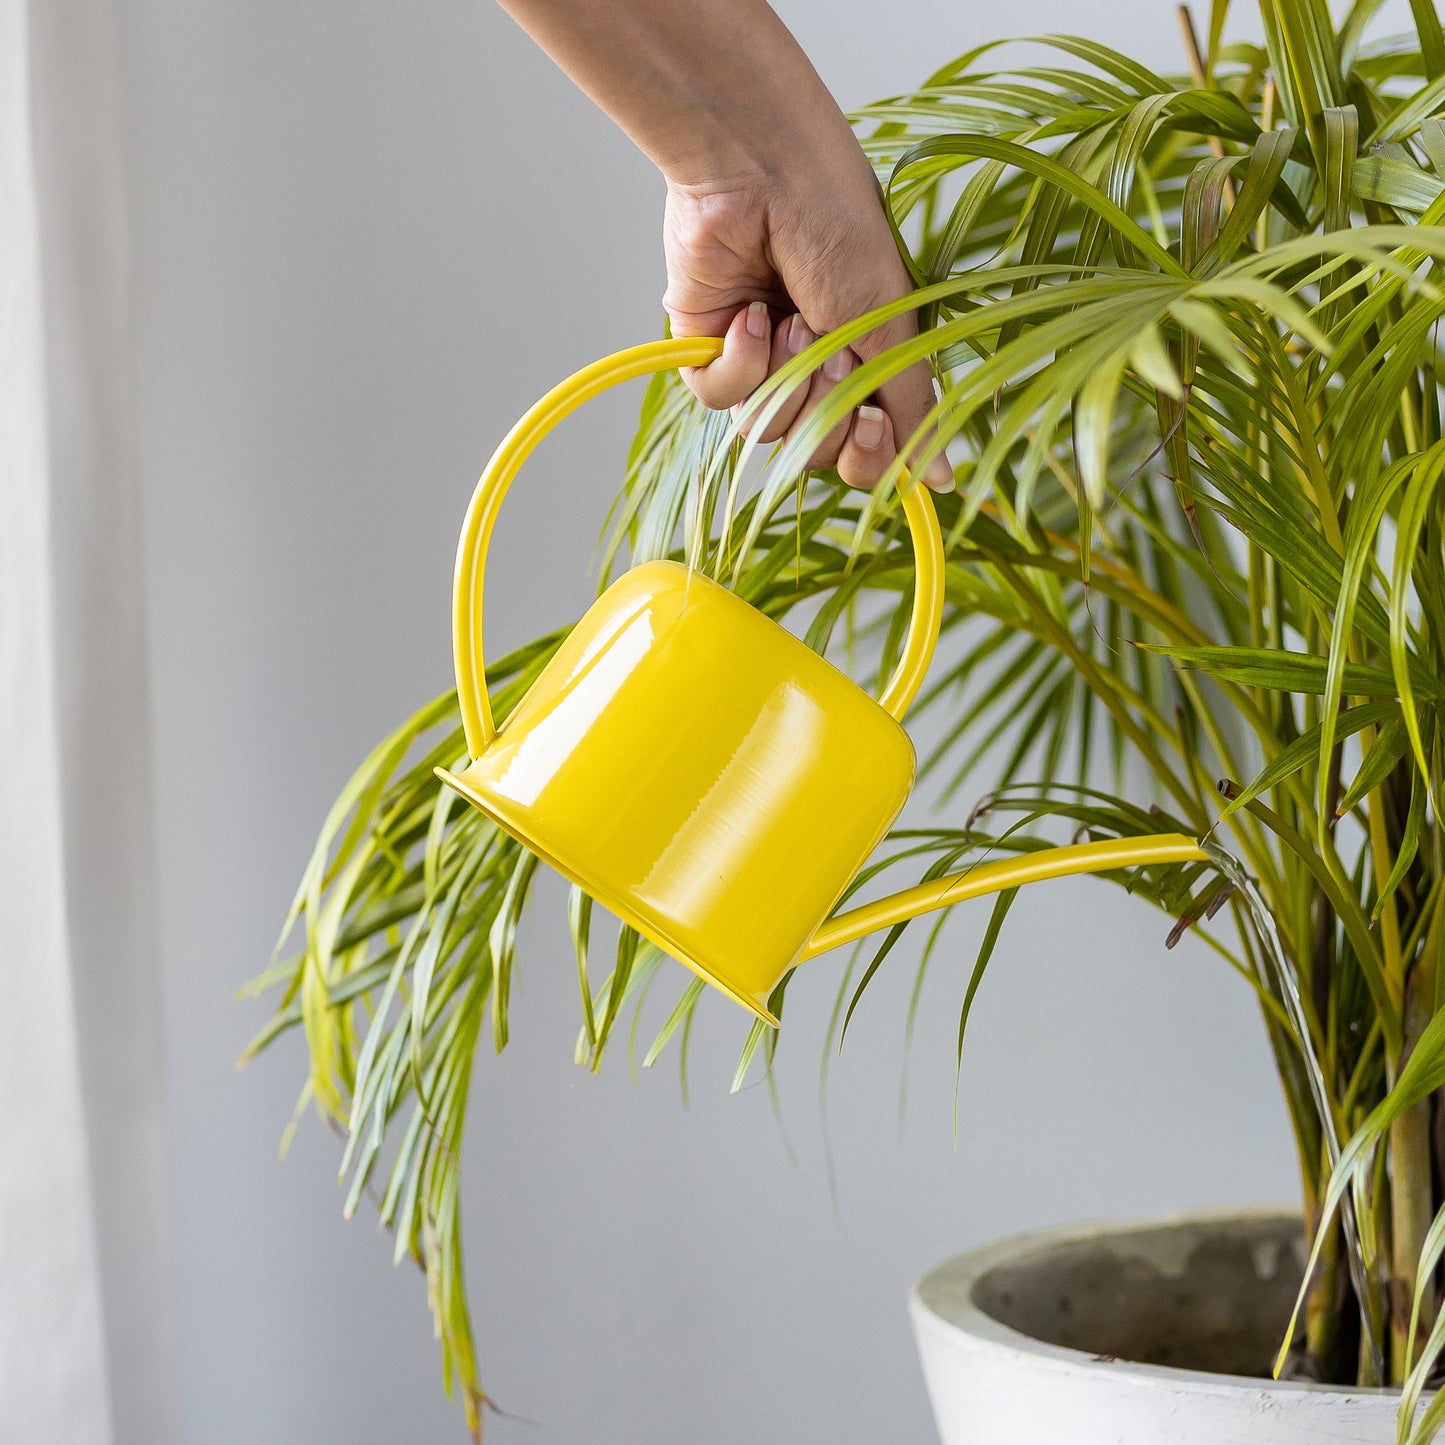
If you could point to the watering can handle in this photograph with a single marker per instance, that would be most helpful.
(518, 445)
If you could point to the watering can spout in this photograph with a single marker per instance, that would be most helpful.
(997, 876)
(698, 770)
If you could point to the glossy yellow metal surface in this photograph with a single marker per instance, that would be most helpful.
(699, 771)
(696, 768)
(1104, 855)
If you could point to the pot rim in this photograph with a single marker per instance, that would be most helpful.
(967, 1321)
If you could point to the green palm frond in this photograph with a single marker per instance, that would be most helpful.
(1186, 336)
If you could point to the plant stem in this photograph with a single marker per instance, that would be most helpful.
(1325, 1311)
(1411, 1202)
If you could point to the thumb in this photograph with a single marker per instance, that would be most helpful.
(747, 333)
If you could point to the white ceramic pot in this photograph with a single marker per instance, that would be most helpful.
(1033, 1341)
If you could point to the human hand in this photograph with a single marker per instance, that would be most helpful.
(772, 262)
(774, 230)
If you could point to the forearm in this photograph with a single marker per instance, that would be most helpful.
(712, 91)
(774, 228)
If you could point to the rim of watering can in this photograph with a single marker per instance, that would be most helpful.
(613, 902)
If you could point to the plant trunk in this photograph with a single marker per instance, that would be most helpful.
(1412, 1196)
(1411, 1209)
(1332, 1339)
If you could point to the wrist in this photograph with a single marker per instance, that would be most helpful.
(734, 149)
(757, 137)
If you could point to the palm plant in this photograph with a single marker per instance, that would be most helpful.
(1184, 330)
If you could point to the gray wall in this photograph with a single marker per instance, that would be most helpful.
(365, 237)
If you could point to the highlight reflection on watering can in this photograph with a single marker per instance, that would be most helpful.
(697, 769)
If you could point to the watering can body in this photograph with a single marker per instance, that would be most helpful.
(699, 772)
(697, 769)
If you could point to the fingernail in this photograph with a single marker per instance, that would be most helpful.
(758, 319)
(800, 336)
(939, 476)
(868, 429)
(838, 365)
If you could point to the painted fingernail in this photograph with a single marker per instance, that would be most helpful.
(939, 476)
(868, 429)
(758, 319)
(838, 365)
(800, 335)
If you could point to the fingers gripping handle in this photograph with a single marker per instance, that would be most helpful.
(519, 444)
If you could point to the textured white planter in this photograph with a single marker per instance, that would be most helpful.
(1030, 1342)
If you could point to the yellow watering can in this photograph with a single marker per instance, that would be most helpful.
(694, 767)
